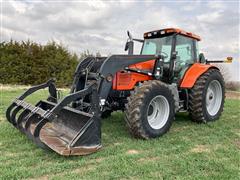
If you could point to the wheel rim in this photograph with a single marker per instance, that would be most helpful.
(158, 112)
(214, 97)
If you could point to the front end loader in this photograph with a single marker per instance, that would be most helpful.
(168, 76)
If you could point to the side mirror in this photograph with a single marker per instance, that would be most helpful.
(202, 58)
(129, 44)
(126, 46)
(129, 36)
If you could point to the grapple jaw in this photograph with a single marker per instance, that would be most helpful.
(65, 130)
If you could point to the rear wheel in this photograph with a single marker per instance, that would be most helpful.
(206, 98)
(150, 110)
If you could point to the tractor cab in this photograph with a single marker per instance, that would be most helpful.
(178, 48)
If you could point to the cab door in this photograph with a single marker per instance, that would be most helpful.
(185, 55)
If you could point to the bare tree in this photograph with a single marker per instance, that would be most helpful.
(225, 71)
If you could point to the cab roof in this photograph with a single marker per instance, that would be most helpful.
(164, 32)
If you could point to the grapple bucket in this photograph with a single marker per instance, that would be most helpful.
(65, 130)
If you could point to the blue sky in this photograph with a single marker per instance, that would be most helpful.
(101, 26)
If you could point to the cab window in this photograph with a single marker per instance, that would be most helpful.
(162, 45)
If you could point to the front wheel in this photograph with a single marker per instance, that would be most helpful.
(206, 98)
(150, 110)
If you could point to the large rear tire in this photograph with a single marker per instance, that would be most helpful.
(150, 110)
(206, 98)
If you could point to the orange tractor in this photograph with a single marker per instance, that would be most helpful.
(168, 76)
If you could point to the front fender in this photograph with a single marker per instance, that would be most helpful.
(193, 73)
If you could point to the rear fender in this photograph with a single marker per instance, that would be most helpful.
(193, 73)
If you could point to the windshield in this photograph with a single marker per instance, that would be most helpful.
(161, 45)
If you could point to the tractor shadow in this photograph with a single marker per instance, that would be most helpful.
(115, 126)
(182, 121)
(182, 117)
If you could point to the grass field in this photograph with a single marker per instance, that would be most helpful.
(187, 151)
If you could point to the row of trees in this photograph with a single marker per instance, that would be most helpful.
(30, 63)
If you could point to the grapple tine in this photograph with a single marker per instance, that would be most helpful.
(21, 119)
(29, 119)
(25, 115)
(30, 129)
(13, 115)
(8, 112)
(39, 126)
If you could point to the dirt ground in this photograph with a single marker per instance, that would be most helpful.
(233, 95)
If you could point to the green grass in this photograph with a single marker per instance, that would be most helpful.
(187, 151)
